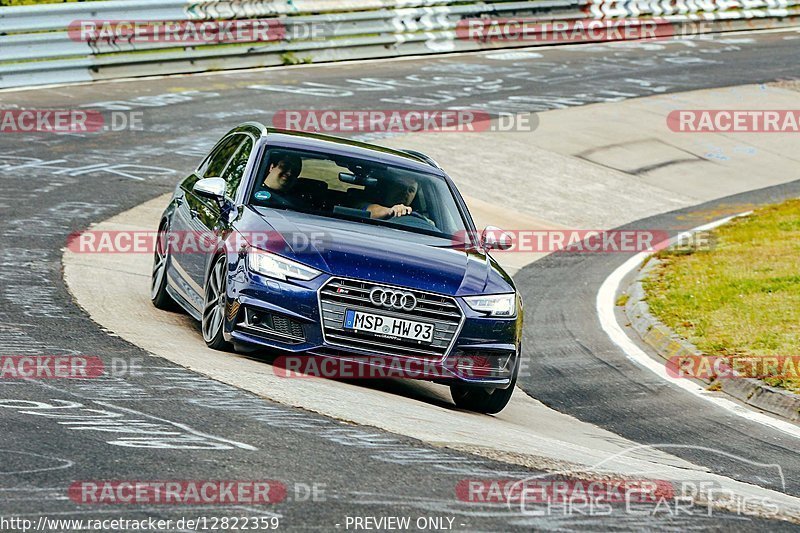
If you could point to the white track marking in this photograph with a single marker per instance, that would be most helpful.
(605, 312)
(184, 427)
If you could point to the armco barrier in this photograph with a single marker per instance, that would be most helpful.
(42, 44)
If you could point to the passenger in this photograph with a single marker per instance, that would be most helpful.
(283, 172)
(282, 175)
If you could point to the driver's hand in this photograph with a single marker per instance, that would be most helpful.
(400, 210)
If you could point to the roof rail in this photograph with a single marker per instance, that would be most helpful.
(255, 124)
(424, 157)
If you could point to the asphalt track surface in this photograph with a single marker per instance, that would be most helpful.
(195, 428)
(577, 369)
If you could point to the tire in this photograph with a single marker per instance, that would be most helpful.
(481, 400)
(158, 278)
(214, 305)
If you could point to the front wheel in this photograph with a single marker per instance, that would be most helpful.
(487, 401)
(214, 306)
(480, 400)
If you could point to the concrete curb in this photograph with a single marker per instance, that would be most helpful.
(668, 344)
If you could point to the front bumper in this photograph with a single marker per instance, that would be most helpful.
(286, 317)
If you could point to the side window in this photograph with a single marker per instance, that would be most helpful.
(233, 174)
(219, 159)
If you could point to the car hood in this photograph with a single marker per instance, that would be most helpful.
(376, 253)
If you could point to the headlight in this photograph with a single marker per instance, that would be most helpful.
(279, 267)
(502, 305)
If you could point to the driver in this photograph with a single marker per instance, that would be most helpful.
(395, 198)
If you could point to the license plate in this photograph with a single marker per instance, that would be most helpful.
(388, 326)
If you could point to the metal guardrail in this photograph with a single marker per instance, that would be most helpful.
(41, 44)
(35, 46)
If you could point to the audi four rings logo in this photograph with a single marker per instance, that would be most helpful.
(400, 300)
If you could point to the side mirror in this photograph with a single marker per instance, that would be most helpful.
(494, 238)
(212, 188)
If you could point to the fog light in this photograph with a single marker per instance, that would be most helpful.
(482, 365)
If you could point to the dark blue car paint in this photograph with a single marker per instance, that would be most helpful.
(343, 248)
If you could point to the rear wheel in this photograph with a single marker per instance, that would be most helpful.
(214, 306)
(158, 282)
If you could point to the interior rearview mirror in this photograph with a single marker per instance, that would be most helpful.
(365, 181)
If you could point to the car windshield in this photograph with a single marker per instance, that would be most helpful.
(357, 189)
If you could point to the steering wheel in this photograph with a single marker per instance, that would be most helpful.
(415, 220)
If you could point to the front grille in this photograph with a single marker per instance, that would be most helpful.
(339, 295)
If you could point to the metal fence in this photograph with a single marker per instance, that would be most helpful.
(62, 43)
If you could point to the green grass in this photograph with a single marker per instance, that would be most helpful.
(742, 297)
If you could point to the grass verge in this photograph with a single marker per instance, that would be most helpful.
(741, 297)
